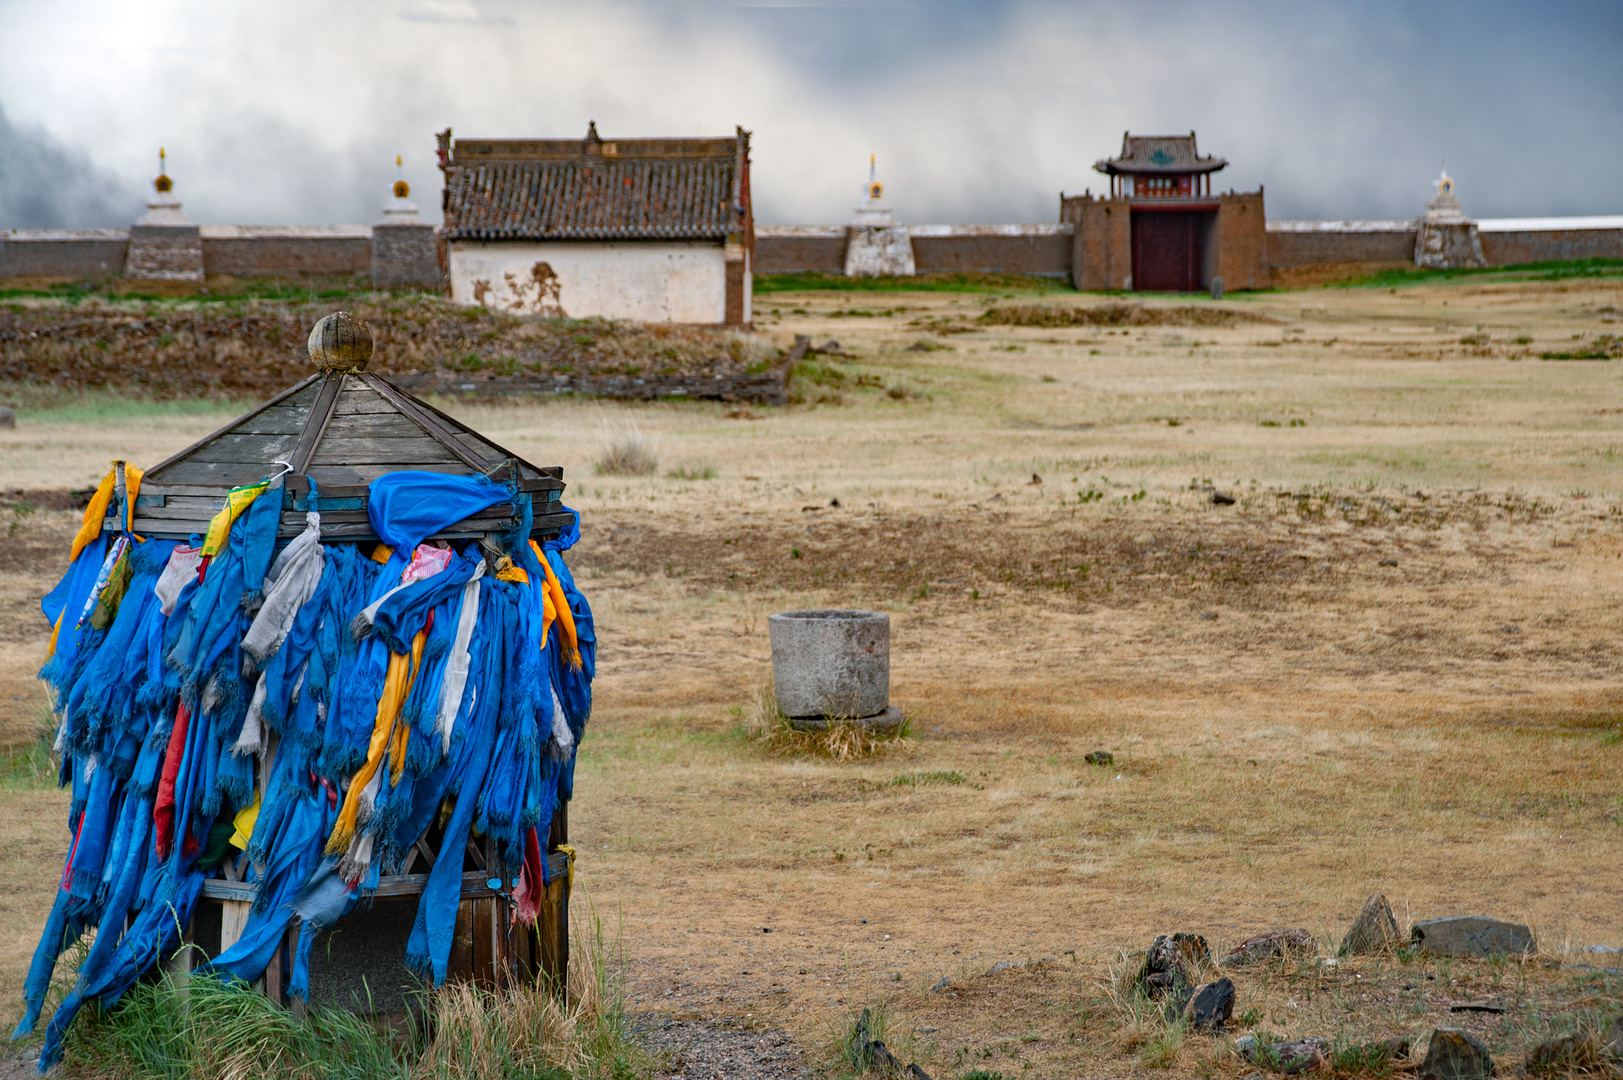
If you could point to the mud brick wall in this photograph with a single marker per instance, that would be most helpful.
(1549, 245)
(799, 249)
(1002, 249)
(62, 252)
(1242, 241)
(286, 251)
(1293, 244)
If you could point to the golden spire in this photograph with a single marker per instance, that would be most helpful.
(163, 183)
(875, 188)
(401, 188)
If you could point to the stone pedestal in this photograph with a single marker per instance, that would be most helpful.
(878, 252)
(404, 251)
(164, 244)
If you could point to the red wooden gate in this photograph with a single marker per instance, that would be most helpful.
(1169, 249)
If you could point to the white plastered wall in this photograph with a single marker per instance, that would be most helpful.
(648, 282)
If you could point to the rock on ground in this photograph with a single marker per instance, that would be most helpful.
(1375, 929)
(1472, 935)
(1295, 1056)
(1455, 1055)
(1271, 946)
(1211, 1006)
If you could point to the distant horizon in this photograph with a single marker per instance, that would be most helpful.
(980, 111)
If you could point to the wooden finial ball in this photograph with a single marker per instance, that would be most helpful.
(340, 342)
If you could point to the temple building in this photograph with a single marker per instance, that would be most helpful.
(656, 230)
(1160, 228)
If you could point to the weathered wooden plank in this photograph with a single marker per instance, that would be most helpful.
(441, 426)
(163, 470)
(282, 420)
(222, 473)
(171, 490)
(174, 513)
(262, 449)
(363, 425)
(361, 399)
(398, 453)
(200, 503)
(316, 422)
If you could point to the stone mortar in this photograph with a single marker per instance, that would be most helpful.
(831, 662)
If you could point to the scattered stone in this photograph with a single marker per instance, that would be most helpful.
(1275, 944)
(1036, 481)
(1375, 929)
(1298, 1055)
(1000, 966)
(1455, 1055)
(1472, 935)
(1099, 757)
(1478, 1006)
(1171, 962)
(940, 986)
(1211, 1006)
(8, 417)
(1389, 562)
(1222, 498)
(874, 1056)
(1558, 1055)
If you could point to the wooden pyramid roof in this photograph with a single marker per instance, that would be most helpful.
(342, 430)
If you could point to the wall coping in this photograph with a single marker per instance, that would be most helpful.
(784, 232)
(1060, 228)
(1548, 224)
(33, 236)
(1341, 226)
(807, 232)
(287, 232)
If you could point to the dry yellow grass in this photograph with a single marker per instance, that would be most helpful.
(1392, 665)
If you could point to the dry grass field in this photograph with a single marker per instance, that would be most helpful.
(1392, 664)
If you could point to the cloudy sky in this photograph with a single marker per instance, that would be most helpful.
(980, 111)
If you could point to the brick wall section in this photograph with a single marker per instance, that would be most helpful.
(1310, 243)
(1003, 249)
(799, 249)
(1102, 241)
(404, 254)
(286, 251)
(1549, 245)
(62, 252)
(1242, 241)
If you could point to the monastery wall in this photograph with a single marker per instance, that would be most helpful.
(1002, 249)
(286, 250)
(62, 253)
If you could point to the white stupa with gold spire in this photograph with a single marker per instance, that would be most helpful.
(1444, 237)
(164, 244)
(400, 210)
(164, 207)
(404, 251)
(875, 246)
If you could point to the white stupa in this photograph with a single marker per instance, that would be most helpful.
(164, 244)
(1445, 238)
(400, 210)
(163, 208)
(875, 246)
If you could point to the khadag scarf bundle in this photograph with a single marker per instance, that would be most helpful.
(405, 684)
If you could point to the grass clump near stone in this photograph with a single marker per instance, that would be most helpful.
(839, 739)
(180, 1028)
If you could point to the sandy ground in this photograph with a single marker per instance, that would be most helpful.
(1392, 664)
